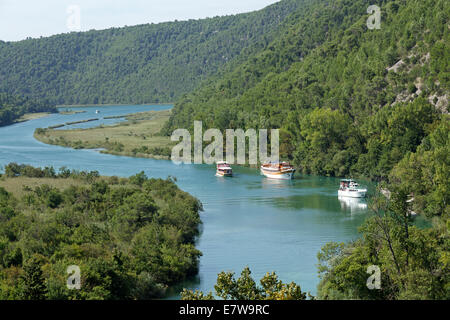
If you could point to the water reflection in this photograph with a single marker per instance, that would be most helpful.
(354, 205)
(275, 183)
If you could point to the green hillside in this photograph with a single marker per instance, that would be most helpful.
(348, 100)
(139, 64)
(13, 107)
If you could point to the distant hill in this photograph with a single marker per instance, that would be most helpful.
(139, 64)
(13, 107)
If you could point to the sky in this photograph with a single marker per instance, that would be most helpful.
(20, 19)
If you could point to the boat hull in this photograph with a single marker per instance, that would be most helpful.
(289, 175)
(221, 174)
(352, 194)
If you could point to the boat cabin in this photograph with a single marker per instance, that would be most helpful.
(348, 184)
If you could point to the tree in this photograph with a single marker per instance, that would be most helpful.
(12, 107)
(413, 262)
(327, 137)
(33, 282)
(426, 173)
(245, 288)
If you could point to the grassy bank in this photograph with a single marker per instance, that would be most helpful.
(19, 186)
(32, 116)
(71, 112)
(136, 137)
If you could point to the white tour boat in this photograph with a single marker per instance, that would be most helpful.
(349, 188)
(279, 170)
(224, 169)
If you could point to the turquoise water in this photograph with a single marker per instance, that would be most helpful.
(248, 220)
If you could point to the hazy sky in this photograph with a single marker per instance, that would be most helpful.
(20, 19)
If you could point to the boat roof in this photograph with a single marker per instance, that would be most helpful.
(347, 180)
(222, 162)
(279, 162)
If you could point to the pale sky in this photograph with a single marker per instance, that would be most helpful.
(20, 19)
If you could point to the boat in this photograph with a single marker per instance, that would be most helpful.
(349, 188)
(97, 111)
(224, 169)
(278, 170)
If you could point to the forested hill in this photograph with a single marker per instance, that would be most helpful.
(348, 100)
(133, 238)
(139, 64)
(13, 107)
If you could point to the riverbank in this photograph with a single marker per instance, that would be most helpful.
(136, 137)
(70, 112)
(32, 116)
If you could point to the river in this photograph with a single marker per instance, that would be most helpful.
(248, 220)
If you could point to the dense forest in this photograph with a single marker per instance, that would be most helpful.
(131, 238)
(348, 100)
(414, 262)
(360, 102)
(140, 64)
(13, 107)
